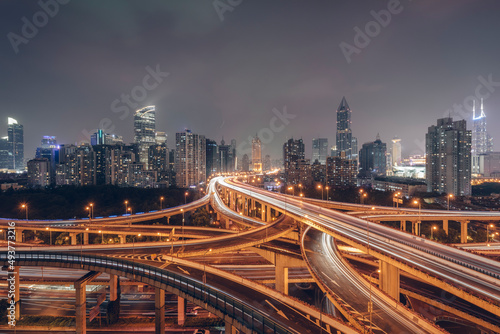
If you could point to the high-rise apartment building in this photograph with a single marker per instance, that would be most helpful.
(372, 159)
(212, 157)
(50, 151)
(344, 134)
(5, 153)
(39, 172)
(190, 159)
(319, 150)
(145, 132)
(256, 154)
(341, 172)
(293, 152)
(16, 143)
(448, 157)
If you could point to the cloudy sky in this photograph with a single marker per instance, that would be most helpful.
(228, 68)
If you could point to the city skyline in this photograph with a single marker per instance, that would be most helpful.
(209, 89)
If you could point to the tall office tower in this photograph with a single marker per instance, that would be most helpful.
(396, 152)
(319, 150)
(16, 143)
(212, 157)
(481, 141)
(190, 159)
(344, 134)
(245, 163)
(5, 153)
(293, 152)
(39, 172)
(225, 157)
(448, 157)
(372, 159)
(354, 148)
(234, 157)
(50, 151)
(256, 154)
(266, 164)
(144, 131)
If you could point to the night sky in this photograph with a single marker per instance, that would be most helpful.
(230, 66)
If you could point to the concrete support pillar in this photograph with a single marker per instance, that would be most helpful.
(19, 235)
(113, 287)
(281, 279)
(402, 225)
(268, 214)
(463, 231)
(73, 238)
(415, 227)
(159, 311)
(389, 279)
(13, 281)
(445, 226)
(85, 238)
(230, 329)
(181, 311)
(123, 238)
(81, 308)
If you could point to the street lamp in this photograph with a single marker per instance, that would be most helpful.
(205, 273)
(293, 190)
(488, 232)
(91, 210)
(182, 230)
(161, 202)
(50, 235)
(321, 187)
(432, 231)
(102, 236)
(449, 197)
(370, 303)
(363, 198)
(185, 197)
(25, 206)
(130, 221)
(126, 207)
(327, 189)
(419, 214)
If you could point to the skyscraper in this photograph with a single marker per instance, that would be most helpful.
(190, 159)
(256, 154)
(16, 143)
(212, 157)
(448, 157)
(319, 150)
(344, 134)
(5, 153)
(396, 152)
(372, 158)
(144, 132)
(50, 151)
(293, 153)
(481, 140)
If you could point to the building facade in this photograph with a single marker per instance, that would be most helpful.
(372, 159)
(319, 150)
(190, 159)
(448, 157)
(344, 134)
(145, 131)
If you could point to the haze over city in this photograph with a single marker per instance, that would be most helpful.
(228, 69)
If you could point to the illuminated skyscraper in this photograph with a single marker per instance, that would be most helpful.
(190, 159)
(372, 158)
(16, 143)
(448, 157)
(256, 154)
(144, 132)
(481, 140)
(344, 134)
(396, 152)
(319, 150)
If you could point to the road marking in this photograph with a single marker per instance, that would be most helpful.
(280, 312)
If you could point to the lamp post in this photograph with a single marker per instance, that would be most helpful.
(129, 209)
(293, 190)
(327, 190)
(50, 235)
(449, 197)
(161, 202)
(363, 198)
(182, 229)
(370, 303)
(25, 206)
(488, 232)
(102, 236)
(432, 231)
(419, 214)
(321, 187)
(205, 274)
(185, 197)
(91, 210)
(126, 207)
